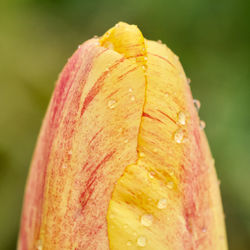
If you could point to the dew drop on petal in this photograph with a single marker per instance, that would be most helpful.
(141, 154)
(126, 141)
(170, 184)
(159, 41)
(111, 104)
(188, 80)
(111, 216)
(39, 245)
(202, 124)
(181, 118)
(132, 98)
(147, 220)
(178, 136)
(64, 166)
(130, 90)
(141, 241)
(129, 243)
(70, 152)
(197, 104)
(162, 203)
(151, 175)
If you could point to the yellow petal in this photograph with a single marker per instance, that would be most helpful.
(173, 180)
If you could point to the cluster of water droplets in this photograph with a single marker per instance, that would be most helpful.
(197, 105)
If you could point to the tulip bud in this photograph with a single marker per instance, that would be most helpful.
(121, 161)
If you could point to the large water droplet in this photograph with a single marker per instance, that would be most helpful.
(188, 80)
(147, 220)
(178, 136)
(130, 90)
(132, 98)
(202, 124)
(181, 118)
(126, 141)
(162, 203)
(197, 104)
(142, 241)
(111, 104)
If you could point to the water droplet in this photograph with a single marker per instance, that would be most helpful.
(130, 90)
(111, 216)
(159, 41)
(112, 104)
(109, 45)
(171, 172)
(202, 124)
(178, 136)
(188, 80)
(39, 245)
(126, 141)
(132, 98)
(142, 241)
(79, 46)
(95, 36)
(64, 166)
(181, 118)
(151, 174)
(147, 220)
(141, 154)
(170, 184)
(70, 152)
(197, 104)
(143, 67)
(162, 203)
(204, 230)
(129, 243)
(145, 58)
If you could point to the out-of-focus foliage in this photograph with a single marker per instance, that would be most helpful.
(212, 39)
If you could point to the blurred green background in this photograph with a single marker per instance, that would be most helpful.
(212, 39)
